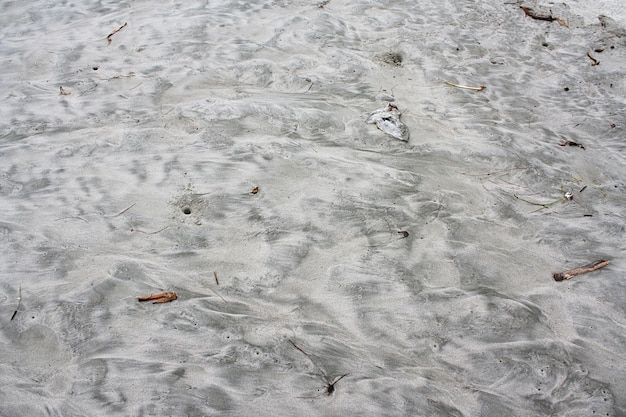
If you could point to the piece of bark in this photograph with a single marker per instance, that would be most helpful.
(164, 297)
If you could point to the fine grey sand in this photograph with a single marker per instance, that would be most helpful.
(422, 269)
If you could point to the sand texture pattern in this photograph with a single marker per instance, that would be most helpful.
(219, 150)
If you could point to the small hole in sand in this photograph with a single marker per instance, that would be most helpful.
(187, 210)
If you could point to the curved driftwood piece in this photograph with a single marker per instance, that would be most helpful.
(560, 276)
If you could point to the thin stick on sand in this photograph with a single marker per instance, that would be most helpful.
(480, 88)
(543, 205)
(109, 40)
(150, 233)
(594, 61)
(560, 276)
(19, 302)
(330, 385)
(121, 212)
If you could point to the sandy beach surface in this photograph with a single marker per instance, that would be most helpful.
(219, 150)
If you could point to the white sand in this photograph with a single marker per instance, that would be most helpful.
(195, 103)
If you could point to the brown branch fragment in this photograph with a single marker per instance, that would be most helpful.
(480, 88)
(164, 297)
(216, 280)
(560, 276)
(109, 40)
(594, 61)
(570, 143)
(543, 16)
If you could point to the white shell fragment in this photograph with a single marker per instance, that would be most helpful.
(388, 120)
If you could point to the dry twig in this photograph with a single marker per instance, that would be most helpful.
(560, 276)
(109, 40)
(19, 302)
(121, 212)
(594, 61)
(70, 217)
(543, 205)
(480, 88)
(150, 233)
(330, 385)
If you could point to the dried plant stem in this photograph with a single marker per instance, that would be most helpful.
(543, 205)
(122, 212)
(330, 385)
(109, 40)
(480, 88)
(150, 233)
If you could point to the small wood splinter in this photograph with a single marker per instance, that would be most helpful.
(560, 276)
(480, 88)
(109, 40)
(164, 297)
(594, 61)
